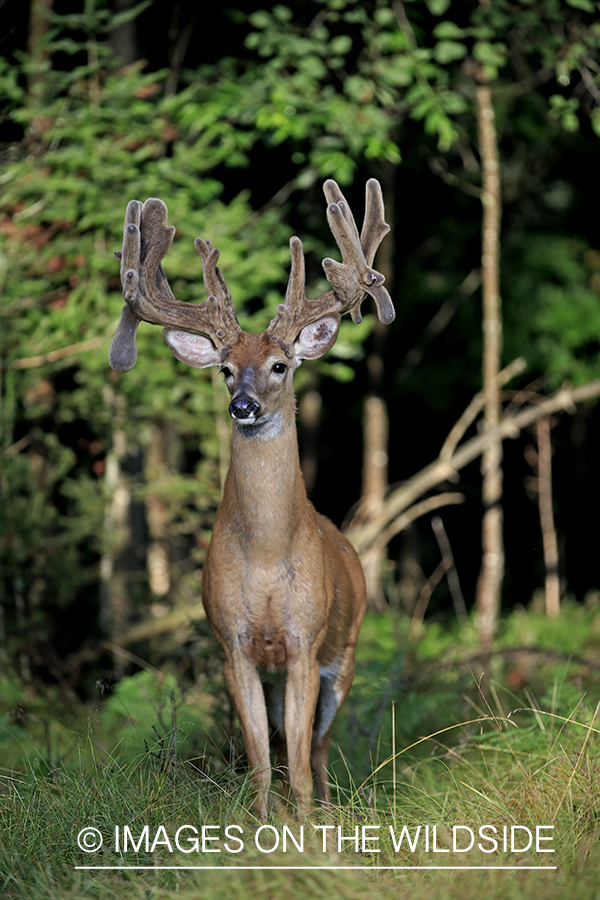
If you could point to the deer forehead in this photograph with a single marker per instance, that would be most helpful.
(255, 351)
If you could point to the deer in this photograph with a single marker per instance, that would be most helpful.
(282, 587)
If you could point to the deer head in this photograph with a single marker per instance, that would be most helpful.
(257, 368)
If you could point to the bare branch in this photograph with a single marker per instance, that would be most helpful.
(415, 512)
(276, 200)
(16, 448)
(452, 573)
(526, 85)
(590, 83)
(33, 362)
(474, 408)
(402, 499)
(438, 168)
(143, 631)
(425, 596)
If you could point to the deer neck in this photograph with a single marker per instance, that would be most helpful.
(264, 486)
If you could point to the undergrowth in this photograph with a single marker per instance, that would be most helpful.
(473, 791)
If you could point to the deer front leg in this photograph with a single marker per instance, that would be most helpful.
(246, 691)
(301, 695)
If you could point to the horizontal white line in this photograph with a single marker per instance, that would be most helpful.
(288, 868)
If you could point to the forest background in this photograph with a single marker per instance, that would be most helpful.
(482, 123)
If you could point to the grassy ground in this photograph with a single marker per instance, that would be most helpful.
(517, 759)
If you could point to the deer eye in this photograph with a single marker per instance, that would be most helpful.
(226, 371)
(279, 368)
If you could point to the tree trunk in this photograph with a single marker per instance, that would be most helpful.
(39, 25)
(550, 543)
(158, 552)
(374, 488)
(310, 405)
(489, 585)
(123, 39)
(114, 602)
(375, 420)
(179, 35)
(122, 564)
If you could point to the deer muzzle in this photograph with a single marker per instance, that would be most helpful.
(243, 407)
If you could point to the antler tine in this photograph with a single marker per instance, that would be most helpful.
(146, 241)
(294, 295)
(297, 311)
(354, 277)
(374, 227)
(347, 236)
(350, 279)
(223, 317)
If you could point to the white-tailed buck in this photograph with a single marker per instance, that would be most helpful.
(283, 589)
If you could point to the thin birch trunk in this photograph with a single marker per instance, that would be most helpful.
(549, 540)
(489, 585)
(157, 471)
(114, 599)
(375, 478)
(374, 489)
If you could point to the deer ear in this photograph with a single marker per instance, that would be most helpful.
(317, 338)
(192, 349)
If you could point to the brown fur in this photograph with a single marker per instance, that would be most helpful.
(283, 589)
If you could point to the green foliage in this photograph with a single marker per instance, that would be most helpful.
(147, 706)
(432, 680)
(553, 309)
(11, 91)
(88, 149)
(38, 546)
(533, 628)
(147, 714)
(565, 109)
(347, 89)
(514, 757)
(292, 95)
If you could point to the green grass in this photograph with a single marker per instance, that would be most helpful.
(525, 756)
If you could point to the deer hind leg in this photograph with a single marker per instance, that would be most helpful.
(319, 757)
(335, 682)
(301, 695)
(246, 691)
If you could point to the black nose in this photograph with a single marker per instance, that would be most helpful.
(243, 407)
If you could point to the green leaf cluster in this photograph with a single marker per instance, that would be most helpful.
(552, 298)
(88, 148)
(347, 89)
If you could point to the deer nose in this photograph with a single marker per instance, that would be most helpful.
(243, 407)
